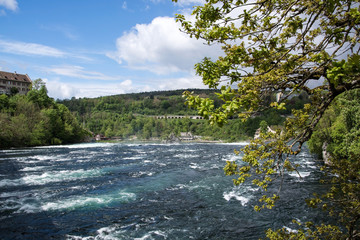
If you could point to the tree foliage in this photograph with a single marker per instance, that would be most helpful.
(35, 119)
(281, 46)
(338, 135)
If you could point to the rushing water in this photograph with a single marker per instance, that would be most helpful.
(140, 191)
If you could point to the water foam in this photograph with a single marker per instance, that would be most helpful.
(28, 208)
(35, 159)
(32, 169)
(232, 157)
(290, 230)
(20, 202)
(80, 145)
(242, 199)
(186, 155)
(14, 194)
(142, 173)
(302, 174)
(235, 143)
(237, 195)
(90, 201)
(51, 177)
(195, 166)
(152, 235)
(105, 233)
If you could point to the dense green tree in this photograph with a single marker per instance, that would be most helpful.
(286, 47)
(4, 102)
(263, 126)
(40, 97)
(35, 119)
(14, 91)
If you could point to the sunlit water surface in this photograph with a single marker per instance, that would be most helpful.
(141, 191)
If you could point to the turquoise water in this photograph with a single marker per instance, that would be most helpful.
(140, 191)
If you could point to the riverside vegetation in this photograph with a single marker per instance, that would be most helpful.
(36, 119)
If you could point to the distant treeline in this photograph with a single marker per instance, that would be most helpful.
(147, 103)
(129, 115)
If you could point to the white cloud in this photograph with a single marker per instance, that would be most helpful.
(127, 84)
(9, 4)
(23, 48)
(60, 90)
(160, 47)
(35, 49)
(181, 83)
(80, 72)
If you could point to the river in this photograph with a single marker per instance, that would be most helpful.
(141, 191)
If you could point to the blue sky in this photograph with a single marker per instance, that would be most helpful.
(91, 48)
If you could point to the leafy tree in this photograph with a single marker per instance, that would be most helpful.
(4, 101)
(36, 119)
(263, 126)
(272, 46)
(165, 104)
(109, 132)
(40, 97)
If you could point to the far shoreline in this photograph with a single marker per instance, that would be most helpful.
(134, 140)
(160, 141)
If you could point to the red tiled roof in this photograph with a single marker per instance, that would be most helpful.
(15, 77)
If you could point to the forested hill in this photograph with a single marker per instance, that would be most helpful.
(145, 103)
(132, 115)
